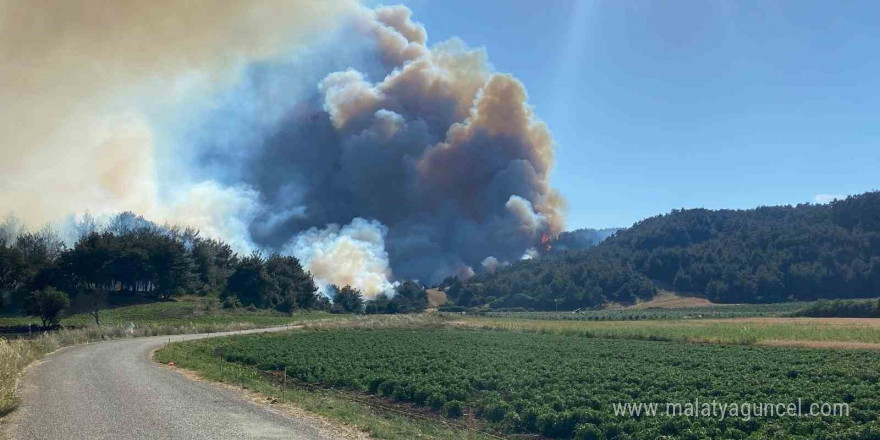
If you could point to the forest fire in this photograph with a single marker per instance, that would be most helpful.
(545, 242)
(313, 173)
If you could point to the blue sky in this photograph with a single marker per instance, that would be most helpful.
(693, 103)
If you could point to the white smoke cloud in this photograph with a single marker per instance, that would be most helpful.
(352, 255)
(530, 222)
(491, 264)
(530, 253)
(347, 94)
(465, 272)
(216, 211)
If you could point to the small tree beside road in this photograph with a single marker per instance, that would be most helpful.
(47, 304)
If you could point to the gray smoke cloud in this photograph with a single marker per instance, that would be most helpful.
(322, 129)
(440, 153)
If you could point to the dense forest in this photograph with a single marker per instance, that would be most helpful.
(580, 239)
(132, 259)
(768, 254)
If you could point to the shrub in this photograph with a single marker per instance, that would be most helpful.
(436, 401)
(842, 309)
(231, 302)
(588, 432)
(453, 409)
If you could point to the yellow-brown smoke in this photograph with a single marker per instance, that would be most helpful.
(77, 75)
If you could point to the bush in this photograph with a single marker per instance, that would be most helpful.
(231, 302)
(436, 401)
(47, 305)
(206, 306)
(453, 409)
(588, 432)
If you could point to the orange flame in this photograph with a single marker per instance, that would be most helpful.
(545, 241)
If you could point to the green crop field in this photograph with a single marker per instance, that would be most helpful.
(566, 386)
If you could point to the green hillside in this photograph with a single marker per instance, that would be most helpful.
(763, 255)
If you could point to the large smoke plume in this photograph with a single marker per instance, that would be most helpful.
(80, 80)
(371, 156)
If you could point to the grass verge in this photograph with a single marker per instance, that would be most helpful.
(186, 310)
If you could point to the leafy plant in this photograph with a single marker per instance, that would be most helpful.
(564, 387)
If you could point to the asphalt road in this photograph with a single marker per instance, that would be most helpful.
(112, 390)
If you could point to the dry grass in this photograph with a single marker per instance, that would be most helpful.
(670, 300)
(380, 321)
(806, 331)
(436, 298)
(14, 356)
(666, 300)
(858, 322)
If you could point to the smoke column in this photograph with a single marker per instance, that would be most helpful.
(351, 255)
(330, 131)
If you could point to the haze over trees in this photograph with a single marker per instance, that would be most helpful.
(768, 254)
(135, 260)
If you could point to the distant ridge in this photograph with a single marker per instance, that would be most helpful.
(766, 254)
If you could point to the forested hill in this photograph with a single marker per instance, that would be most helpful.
(768, 254)
(581, 239)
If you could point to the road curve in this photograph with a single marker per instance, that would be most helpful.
(112, 390)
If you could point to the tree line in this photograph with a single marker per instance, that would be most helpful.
(557, 281)
(762, 255)
(842, 308)
(132, 258)
(580, 239)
